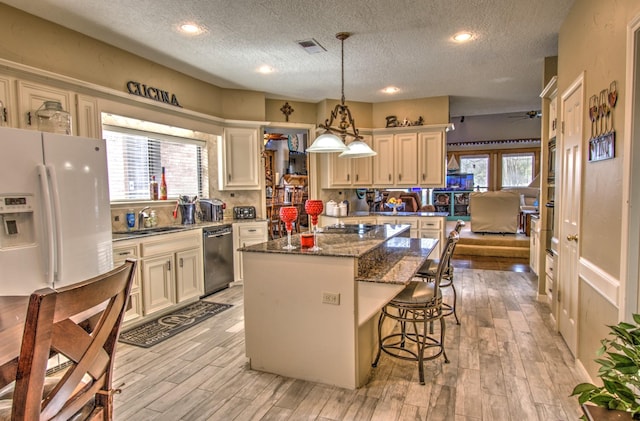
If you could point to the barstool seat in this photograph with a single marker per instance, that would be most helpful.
(414, 308)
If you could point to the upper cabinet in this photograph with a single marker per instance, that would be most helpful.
(32, 95)
(5, 101)
(431, 159)
(411, 158)
(238, 159)
(346, 172)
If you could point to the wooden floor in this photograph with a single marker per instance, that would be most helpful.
(506, 364)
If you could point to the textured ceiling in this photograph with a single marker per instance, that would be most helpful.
(402, 43)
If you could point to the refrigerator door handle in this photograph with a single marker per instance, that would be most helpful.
(51, 171)
(48, 219)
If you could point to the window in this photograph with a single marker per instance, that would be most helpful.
(134, 156)
(478, 165)
(517, 169)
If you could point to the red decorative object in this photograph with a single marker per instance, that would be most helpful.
(288, 214)
(314, 208)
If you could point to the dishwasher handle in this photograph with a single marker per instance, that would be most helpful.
(214, 234)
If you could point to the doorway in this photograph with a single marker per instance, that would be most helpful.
(570, 206)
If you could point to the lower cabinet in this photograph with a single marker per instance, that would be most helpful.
(246, 234)
(534, 247)
(170, 271)
(122, 251)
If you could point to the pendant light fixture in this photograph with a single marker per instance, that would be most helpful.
(329, 140)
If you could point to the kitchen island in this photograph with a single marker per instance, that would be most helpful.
(313, 315)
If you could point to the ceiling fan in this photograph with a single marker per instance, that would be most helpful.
(528, 114)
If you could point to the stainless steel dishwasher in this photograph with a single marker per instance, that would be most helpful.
(218, 258)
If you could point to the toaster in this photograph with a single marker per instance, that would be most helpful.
(244, 212)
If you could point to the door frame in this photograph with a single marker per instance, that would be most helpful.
(576, 85)
(630, 235)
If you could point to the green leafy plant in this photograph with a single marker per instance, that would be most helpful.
(619, 371)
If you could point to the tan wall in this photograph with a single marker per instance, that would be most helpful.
(593, 39)
(303, 112)
(243, 105)
(433, 110)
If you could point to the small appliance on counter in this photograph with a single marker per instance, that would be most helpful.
(244, 212)
(212, 210)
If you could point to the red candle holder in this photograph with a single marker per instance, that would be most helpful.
(288, 214)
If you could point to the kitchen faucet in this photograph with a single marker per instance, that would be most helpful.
(141, 215)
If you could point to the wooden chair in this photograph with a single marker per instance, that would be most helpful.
(80, 322)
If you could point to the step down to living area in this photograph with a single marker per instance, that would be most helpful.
(498, 245)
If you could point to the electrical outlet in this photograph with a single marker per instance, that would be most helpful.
(331, 298)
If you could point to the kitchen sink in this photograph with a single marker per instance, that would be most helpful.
(146, 231)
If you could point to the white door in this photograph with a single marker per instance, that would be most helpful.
(570, 182)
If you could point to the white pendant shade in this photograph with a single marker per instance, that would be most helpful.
(358, 149)
(326, 143)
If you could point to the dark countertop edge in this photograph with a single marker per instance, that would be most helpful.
(182, 228)
(365, 213)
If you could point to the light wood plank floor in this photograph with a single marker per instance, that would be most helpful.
(506, 364)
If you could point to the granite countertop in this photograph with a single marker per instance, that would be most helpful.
(335, 244)
(396, 261)
(147, 232)
(367, 213)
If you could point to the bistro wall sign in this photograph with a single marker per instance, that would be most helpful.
(156, 94)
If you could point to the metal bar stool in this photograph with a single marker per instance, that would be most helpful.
(414, 308)
(428, 272)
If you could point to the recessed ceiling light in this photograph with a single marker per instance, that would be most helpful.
(390, 90)
(191, 28)
(463, 37)
(265, 69)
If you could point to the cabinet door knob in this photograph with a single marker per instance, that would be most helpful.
(389, 177)
(181, 262)
(572, 237)
(169, 265)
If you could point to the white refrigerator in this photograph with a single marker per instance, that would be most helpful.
(55, 223)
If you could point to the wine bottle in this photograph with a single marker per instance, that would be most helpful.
(163, 186)
(153, 187)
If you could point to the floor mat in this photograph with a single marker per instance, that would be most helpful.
(157, 330)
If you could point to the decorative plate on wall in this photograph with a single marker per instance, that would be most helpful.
(293, 142)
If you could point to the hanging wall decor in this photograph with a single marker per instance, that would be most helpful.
(287, 110)
(603, 136)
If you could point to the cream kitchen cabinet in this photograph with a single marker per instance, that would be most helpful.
(383, 162)
(246, 234)
(171, 269)
(6, 102)
(238, 159)
(88, 121)
(348, 172)
(32, 95)
(122, 251)
(406, 159)
(431, 159)
(410, 158)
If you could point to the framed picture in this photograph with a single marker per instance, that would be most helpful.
(602, 147)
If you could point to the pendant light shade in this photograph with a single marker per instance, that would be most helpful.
(334, 139)
(327, 142)
(358, 149)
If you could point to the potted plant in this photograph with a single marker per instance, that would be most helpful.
(619, 371)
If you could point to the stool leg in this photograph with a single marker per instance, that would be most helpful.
(442, 329)
(380, 320)
(421, 347)
(455, 298)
